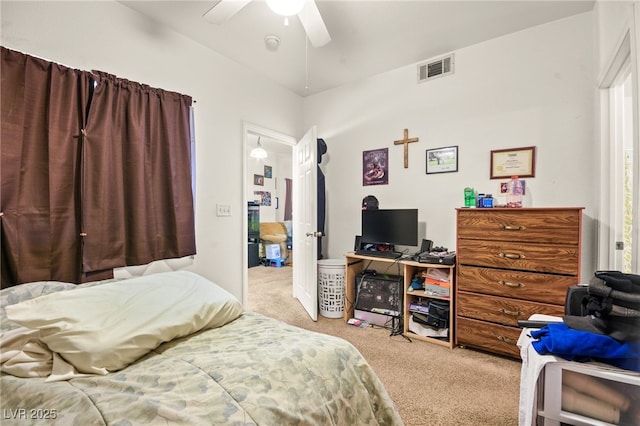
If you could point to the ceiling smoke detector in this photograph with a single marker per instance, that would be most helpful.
(272, 42)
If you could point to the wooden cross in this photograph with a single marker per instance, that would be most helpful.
(406, 141)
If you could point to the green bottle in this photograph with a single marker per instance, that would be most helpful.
(469, 197)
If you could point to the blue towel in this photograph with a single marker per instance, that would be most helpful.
(575, 345)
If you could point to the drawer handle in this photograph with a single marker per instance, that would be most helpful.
(510, 284)
(507, 340)
(512, 313)
(511, 255)
(514, 228)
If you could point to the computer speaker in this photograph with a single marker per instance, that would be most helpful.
(426, 246)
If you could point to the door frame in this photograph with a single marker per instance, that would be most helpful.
(625, 49)
(247, 130)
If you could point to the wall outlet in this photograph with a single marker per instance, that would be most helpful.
(223, 210)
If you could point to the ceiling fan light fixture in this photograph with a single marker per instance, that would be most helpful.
(258, 152)
(286, 7)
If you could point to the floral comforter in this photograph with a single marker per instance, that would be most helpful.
(254, 370)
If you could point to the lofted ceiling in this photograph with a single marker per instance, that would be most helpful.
(368, 37)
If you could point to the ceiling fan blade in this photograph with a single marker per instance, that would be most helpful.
(313, 24)
(224, 10)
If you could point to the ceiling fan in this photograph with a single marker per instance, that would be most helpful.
(307, 11)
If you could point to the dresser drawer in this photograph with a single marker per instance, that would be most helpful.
(501, 310)
(539, 226)
(495, 338)
(550, 258)
(537, 287)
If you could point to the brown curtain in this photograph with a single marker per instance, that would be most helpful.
(137, 203)
(42, 114)
(288, 215)
(91, 179)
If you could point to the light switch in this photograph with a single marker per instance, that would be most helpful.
(223, 210)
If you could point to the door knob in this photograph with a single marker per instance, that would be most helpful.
(314, 234)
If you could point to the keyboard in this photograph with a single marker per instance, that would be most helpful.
(383, 254)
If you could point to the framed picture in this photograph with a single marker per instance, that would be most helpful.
(442, 160)
(267, 172)
(264, 197)
(519, 162)
(375, 167)
(258, 180)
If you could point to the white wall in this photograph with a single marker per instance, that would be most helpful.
(534, 87)
(108, 36)
(281, 167)
(613, 19)
(531, 88)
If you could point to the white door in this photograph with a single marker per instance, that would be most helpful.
(305, 219)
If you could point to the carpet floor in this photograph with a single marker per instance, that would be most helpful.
(430, 384)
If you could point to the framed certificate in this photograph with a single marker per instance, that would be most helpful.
(519, 162)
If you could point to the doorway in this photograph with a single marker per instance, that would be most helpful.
(265, 185)
(618, 235)
(623, 169)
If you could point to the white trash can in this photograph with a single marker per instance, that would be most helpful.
(331, 277)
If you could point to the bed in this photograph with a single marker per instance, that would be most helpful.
(218, 364)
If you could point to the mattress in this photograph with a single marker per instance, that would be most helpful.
(254, 370)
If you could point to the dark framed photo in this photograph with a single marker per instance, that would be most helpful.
(267, 172)
(519, 162)
(442, 160)
(258, 180)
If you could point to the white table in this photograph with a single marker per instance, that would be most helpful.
(541, 385)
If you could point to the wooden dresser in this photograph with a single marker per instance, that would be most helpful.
(511, 264)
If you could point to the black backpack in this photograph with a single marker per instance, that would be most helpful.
(611, 306)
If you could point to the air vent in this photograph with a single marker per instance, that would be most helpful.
(436, 68)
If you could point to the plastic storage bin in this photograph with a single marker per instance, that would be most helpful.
(273, 251)
(331, 277)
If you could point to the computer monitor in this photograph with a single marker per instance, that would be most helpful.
(390, 226)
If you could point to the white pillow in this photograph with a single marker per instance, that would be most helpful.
(107, 327)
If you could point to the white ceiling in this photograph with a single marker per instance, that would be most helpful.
(368, 37)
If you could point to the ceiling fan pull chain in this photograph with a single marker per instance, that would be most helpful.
(306, 62)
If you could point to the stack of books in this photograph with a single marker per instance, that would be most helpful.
(436, 282)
